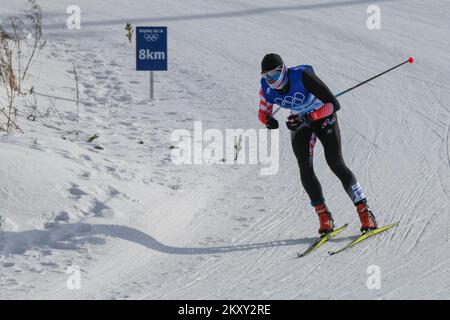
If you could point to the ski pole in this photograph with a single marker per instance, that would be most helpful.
(410, 60)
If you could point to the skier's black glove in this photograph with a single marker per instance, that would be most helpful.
(271, 122)
(295, 122)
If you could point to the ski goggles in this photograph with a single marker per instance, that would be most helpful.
(273, 74)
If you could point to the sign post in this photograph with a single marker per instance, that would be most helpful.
(151, 86)
(151, 51)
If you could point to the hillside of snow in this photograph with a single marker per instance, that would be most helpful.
(138, 226)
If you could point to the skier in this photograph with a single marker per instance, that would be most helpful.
(310, 101)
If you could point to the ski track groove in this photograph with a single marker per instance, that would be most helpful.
(448, 199)
(343, 270)
(408, 228)
(361, 135)
(447, 144)
(409, 199)
(415, 280)
(199, 275)
(267, 266)
(270, 223)
(215, 267)
(401, 266)
(271, 226)
(407, 141)
(391, 219)
(355, 148)
(382, 238)
(417, 199)
(367, 168)
(437, 96)
(254, 262)
(422, 231)
(207, 261)
(439, 124)
(314, 269)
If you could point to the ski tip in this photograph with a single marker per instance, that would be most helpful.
(331, 253)
(411, 60)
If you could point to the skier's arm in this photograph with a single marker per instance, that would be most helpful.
(265, 107)
(265, 112)
(319, 89)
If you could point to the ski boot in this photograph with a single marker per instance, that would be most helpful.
(367, 218)
(325, 218)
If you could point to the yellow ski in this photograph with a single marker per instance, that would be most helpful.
(319, 242)
(364, 237)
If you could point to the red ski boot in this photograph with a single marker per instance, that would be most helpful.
(325, 218)
(367, 218)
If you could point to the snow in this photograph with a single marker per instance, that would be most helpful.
(140, 227)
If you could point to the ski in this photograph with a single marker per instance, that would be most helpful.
(364, 237)
(319, 242)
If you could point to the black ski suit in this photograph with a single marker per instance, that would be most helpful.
(327, 131)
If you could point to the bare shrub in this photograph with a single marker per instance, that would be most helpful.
(21, 40)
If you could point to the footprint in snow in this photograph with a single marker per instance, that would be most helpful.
(88, 85)
(85, 157)
(62, 216)
(8, 264)
(76, 192)
(102, 77)
(85, 175)
(50, 264)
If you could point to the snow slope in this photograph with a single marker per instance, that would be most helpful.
(140, 227)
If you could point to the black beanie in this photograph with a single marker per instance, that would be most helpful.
(270, 62)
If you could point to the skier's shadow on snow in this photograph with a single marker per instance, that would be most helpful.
(75, 236)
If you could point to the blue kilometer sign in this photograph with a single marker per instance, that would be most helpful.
(151, 48)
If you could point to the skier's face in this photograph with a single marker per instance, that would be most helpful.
(273, 75)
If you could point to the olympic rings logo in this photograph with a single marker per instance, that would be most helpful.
(151, 37)
(289, 101)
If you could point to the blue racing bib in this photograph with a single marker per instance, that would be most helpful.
(299, 100)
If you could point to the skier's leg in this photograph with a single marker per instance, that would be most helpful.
(327, 130)
(303, 142)
(329, 134)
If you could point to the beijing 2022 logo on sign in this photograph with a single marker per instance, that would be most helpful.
(151, 48)
(151, 37)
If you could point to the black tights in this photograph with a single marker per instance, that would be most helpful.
(303, 140)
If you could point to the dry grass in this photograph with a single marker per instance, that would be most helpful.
(21, 40)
